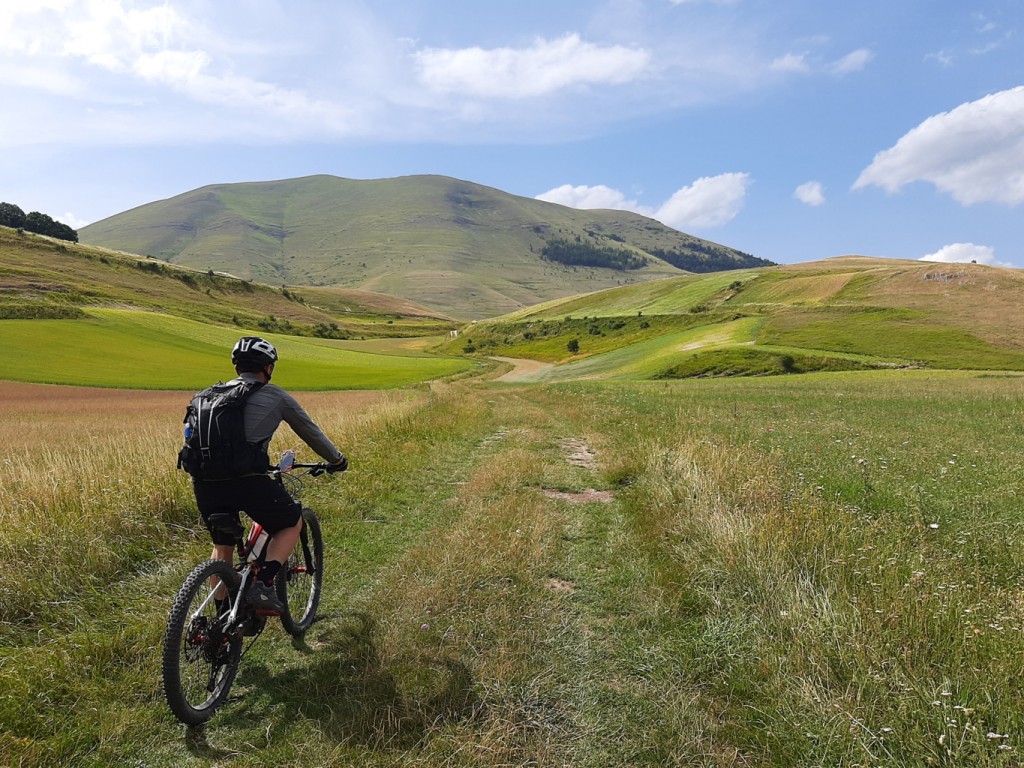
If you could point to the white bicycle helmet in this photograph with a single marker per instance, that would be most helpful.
(253, 349)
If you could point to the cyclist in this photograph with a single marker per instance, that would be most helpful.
(256, 493)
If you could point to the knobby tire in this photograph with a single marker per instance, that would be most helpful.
(199, 661)
(300, 581)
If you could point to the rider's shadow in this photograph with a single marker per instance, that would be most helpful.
(353, 696)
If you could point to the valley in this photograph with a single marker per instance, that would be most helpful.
(766, 516)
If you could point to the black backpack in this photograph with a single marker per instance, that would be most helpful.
(215, 445)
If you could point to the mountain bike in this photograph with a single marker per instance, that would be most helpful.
(210, 622)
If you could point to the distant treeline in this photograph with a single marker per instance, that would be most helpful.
(699, 257)
(581, 254)
(12, 216)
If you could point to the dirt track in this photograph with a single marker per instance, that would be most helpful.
(520, 368)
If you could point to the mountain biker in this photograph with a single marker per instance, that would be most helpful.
(257, 493)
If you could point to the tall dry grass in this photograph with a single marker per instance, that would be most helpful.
(89, 489)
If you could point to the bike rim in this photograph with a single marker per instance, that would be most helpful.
(205, 653)
(299, 583)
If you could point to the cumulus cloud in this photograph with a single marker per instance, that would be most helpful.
(711, 201)
(810, 193)
(974, 152)
(585, 197)
(544, 67)
(965, 253)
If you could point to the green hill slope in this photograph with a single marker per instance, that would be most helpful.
(73, 314)
(838, 314)
(464, 249)
(147, 350)
(43, 278)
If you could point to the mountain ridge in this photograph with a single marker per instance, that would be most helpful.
(464, 249)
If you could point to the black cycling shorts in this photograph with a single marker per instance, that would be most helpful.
(260, 496)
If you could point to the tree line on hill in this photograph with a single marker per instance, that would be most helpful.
(12, 216)
(701, 257)
(582, 254)
(697, 256)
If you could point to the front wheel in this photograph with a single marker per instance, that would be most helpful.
(300, 580)
(200, 655)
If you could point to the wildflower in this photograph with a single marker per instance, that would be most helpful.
(933, 526)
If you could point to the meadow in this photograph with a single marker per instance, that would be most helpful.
(797, 570)
(129, 348)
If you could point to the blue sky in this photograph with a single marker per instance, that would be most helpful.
(791, 129)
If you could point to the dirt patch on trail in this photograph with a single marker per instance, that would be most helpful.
(579, 453)
(580, 497)
(560, 585)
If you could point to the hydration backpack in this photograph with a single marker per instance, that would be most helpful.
(215, 445)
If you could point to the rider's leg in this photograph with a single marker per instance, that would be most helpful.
(281, 545)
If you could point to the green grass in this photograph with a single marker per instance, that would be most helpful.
(118, 348)
(781, 578)
(47, 279)
(915, 336)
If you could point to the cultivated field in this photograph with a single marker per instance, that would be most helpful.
(814, 570)
(129, 348)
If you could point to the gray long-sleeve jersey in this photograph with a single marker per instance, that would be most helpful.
(269, 405)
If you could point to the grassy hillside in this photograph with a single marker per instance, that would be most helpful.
(466, 250)
(44, 278)
(837, 314)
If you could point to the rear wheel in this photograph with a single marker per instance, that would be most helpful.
(300, 580)
(200, 658)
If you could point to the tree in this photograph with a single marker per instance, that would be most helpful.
(573, 346)
(11, 215)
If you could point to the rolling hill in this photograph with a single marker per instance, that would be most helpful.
(463, 249)
(73, 314)
(42, 278)
(837, 314)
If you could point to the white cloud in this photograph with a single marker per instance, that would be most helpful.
(963, 253)
(974, 152)
(852, 62)
(585, 197)
(811, 193)
(791, 62)
(708, 202)
(544, 67)
(72, 221)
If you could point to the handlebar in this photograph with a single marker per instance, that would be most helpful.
(288, 463)
(316, 469)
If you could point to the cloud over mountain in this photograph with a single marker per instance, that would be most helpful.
(708, 202)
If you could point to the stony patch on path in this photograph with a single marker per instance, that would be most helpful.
(579, 453)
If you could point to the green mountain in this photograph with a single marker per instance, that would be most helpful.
(464, 249)
(837, 314)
